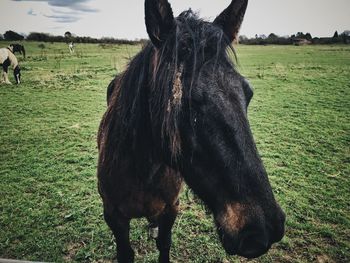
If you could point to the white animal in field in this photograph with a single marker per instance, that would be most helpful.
(7, 58)
(71, 47)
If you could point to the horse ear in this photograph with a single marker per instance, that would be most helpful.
(159, 20)
(231, 18)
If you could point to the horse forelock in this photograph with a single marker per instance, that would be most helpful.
(177, 87)
(173, 110)
(166, 97)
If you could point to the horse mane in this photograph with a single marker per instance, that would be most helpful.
(146, 101)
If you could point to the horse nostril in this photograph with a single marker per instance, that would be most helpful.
(253, 244)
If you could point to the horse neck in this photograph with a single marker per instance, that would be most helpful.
(3, 55)
(13, 60)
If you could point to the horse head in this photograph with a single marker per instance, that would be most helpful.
(199, 101)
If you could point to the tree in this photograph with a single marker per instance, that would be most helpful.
(300, 35)
(242, 38)
(35, 36)
(68, 37)
(68, 34)
(308, 36)
(12, 36)
(272, 36)
(1, 37)
(346, 36)
(346, 33)
(336, 34)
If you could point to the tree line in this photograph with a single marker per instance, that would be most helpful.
(68, 37)
(298, 39)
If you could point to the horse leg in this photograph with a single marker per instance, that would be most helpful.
(5, 66)
(165, 223)
(120, 227)
(153, 229)
(6, 78)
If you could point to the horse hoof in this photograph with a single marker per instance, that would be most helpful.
(153, 232)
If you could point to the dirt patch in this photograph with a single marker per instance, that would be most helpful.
(70, 251)
(324, 259)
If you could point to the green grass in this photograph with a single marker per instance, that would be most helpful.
(49, 206)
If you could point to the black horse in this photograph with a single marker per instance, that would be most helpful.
(18, 48)
(179, 111)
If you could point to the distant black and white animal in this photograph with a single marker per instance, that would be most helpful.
(7, 58)
(18, 48)
(71, 47)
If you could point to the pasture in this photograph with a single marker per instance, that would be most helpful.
(49, 206)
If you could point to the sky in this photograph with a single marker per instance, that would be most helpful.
(125, 18)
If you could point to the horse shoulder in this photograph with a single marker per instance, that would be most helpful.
(13, 59)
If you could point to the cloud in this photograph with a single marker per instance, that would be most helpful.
(63, 18)
(77, 5)
(60, 12)
(31, 12)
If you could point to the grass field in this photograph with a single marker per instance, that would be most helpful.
(49, 206)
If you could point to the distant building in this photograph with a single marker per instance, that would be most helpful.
(301, 41)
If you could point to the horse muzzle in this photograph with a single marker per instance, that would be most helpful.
(254, 239)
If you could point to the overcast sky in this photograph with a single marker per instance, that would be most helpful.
(125, 18)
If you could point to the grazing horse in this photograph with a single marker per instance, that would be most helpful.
(179, 112)
(18, 48)
(71, 47)
(7, 58)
